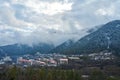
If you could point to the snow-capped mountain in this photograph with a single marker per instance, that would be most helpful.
(106, 37)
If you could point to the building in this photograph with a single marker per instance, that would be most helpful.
(63, 61)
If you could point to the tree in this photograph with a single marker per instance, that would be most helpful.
(97, 75)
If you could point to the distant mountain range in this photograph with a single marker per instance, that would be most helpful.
(104, 38)
(20, 49)
(107, 37)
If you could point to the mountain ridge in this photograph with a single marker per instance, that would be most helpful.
(21, 49)
(105, 38)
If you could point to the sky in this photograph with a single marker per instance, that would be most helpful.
(52, 21)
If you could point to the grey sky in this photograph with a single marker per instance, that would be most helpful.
(52, 21)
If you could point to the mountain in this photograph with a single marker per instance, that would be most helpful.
(20, 49)
(107, 37)
(67, 44)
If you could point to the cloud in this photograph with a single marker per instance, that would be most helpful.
(45, 7)
(109, 11)
(52, 21)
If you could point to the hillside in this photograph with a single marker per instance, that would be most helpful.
(19, 49)
(105, 38)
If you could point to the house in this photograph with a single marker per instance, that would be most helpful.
(63, 61)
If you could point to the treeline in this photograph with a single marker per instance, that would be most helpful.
(15, 73)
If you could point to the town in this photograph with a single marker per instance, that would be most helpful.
(53, 60)
(84, 64)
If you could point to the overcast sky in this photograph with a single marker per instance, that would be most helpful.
(52, 21)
